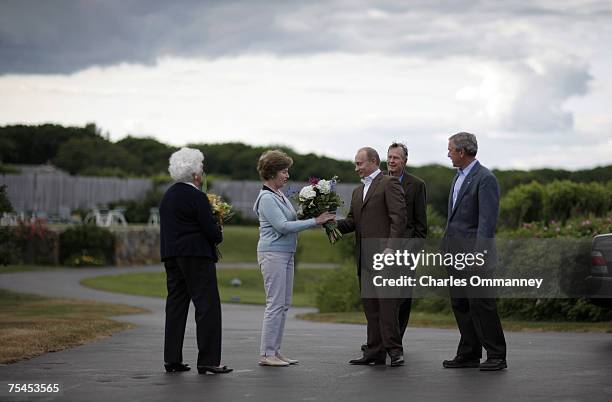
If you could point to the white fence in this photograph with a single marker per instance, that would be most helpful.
(58, 192)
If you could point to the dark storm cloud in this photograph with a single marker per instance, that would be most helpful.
(63, 36)
(66, 36)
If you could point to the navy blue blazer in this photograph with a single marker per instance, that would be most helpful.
(474, 217)
(188, 227)
(477, 208)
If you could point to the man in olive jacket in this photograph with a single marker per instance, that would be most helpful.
(415, 195)
(377, 211)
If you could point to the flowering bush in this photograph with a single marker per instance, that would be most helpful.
(576, 227)
(35, 243)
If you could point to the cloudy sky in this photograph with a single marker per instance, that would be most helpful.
(531, 79)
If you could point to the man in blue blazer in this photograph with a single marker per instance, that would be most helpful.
(473, 209)
(189, 237)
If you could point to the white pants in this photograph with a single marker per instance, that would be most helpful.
(277, 270)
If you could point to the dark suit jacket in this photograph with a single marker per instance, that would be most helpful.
(477, 208)
(381, 215)
(415, 194)
(188, 227)
(475, 214)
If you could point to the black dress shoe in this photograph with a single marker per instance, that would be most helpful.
(397, 360)
(367, 360)
(214, 370)
(493, 365)
(175, 367)
(461, 362)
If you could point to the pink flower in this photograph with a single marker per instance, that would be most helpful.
(313, 180)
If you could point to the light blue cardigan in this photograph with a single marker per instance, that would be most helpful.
(278, 224)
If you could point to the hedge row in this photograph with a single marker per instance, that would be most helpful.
(556, 201)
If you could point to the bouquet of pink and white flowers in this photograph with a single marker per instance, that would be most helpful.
(318, 197)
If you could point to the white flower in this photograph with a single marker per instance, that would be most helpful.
(307, 193)
(324, 186)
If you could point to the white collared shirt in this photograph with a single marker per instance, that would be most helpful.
(193, 185)
(462, 175)
(367, 181)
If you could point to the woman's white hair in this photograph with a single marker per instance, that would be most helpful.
(184, 163)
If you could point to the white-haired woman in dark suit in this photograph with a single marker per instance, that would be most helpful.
(189, 235)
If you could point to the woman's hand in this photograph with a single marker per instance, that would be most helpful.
(325, 217)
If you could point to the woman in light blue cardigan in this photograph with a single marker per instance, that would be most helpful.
(278, 228)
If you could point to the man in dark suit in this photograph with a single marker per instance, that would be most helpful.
(415, 195)
(473, 209)
(377, 211)
(189, 236)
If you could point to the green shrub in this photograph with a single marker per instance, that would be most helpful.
(347, 248)
(566, 199)
(522, 204)
(552, 310)
(339, 291)
(436, 223)
(89, 241)
(558, 201)
(592, 198)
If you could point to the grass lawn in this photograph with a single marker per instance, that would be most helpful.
(32, 325)
(240, 245)
(420, 319)
(250, 292)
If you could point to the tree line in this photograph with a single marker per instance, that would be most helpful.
(87, 151)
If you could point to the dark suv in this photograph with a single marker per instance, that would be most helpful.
(599, 282)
